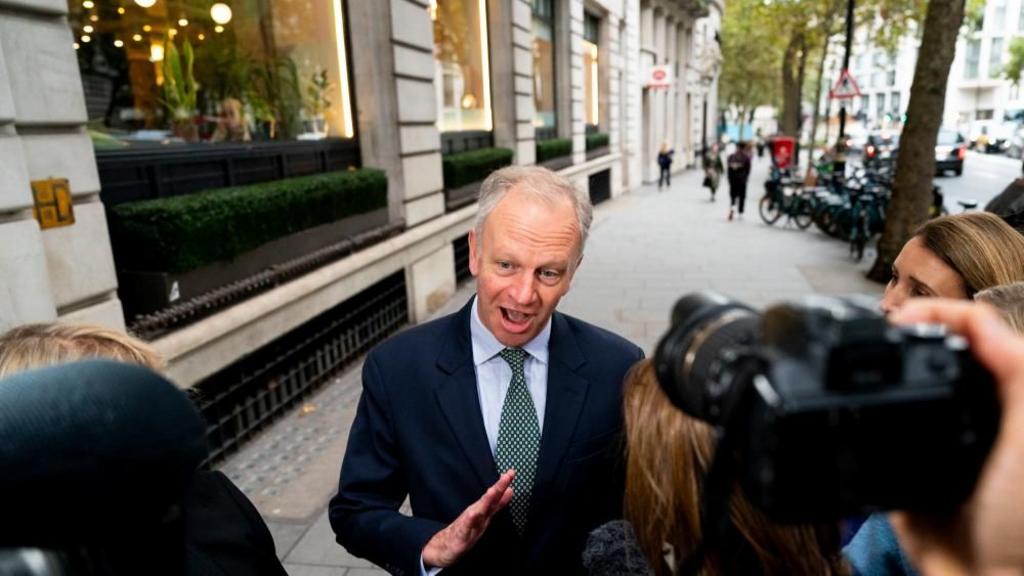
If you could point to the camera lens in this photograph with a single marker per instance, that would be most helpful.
(705, 327)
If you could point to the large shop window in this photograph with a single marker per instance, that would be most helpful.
(544, 64)
(461, 65)
(180, 71)
(591, 70)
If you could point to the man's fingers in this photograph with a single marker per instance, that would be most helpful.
(497, 490)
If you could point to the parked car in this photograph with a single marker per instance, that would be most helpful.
(950, 150)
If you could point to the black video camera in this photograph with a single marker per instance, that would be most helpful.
(826, 410)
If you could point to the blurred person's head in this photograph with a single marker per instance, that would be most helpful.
(531, 226)
(1008, 299)
(667, 455)
(37, 345)
(956, 257)
(664, 147)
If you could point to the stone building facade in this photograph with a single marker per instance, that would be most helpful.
(588, 57)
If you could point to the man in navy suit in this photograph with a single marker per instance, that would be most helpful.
(502, 422)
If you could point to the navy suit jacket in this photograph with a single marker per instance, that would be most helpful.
(419, 432)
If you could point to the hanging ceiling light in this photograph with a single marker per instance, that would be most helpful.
(145, 3)
(218, 29)
(88, 5)
(221, 13)
(183, 22)
(118, 43)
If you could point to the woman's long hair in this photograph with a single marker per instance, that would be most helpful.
(667, 455)
(983, 249)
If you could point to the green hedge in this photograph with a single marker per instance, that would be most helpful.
(183, 233)
(554, 148)
(597, 140)
(466, 167)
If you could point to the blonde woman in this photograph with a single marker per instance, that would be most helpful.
(224, 533)
(667, 454)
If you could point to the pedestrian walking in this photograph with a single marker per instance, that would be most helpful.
(713, 169)
(665, 165)
(739, 173)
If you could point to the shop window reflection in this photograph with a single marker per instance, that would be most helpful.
(592, 73)
(543, 64)
(462, 74)
(183, 71)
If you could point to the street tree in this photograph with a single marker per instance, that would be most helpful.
(750, 61)
(912, 182)
(1015, 65)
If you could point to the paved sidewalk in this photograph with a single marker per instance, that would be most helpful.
(646, 249)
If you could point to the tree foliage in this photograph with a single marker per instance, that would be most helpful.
(750, 57)
(1015, 65)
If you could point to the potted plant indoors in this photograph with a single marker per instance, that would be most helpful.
(317, 104)
(180, 90)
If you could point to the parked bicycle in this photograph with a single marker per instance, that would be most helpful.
(783, 196)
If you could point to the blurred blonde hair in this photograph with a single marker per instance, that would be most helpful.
(1009, 300)
(37, 345)
(667, 454)
(979, 246)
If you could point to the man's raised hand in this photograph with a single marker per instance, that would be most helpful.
(448, 545)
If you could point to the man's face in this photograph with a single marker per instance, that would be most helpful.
(523, 264)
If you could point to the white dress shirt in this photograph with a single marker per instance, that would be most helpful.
(494, 375)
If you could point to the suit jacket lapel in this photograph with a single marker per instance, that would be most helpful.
(457, 396)
(566, 394)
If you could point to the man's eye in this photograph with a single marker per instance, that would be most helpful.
(502, 265)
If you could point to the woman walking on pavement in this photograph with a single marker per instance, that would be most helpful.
(665, 164)
(739, 173)
(713, 169)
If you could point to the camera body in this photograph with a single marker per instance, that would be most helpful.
(827, 410)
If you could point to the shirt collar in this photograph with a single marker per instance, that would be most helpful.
(486, 346)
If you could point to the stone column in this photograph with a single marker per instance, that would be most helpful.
(65, 272)
(393, 59)
(579, 142)
(632, 98)
(613, 117)
(521, 74)
(392, 56)
(669, 59)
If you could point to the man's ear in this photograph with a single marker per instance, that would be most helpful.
(474, 249)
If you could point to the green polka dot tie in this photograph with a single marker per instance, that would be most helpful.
(518, 437)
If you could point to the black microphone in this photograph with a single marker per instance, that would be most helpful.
(93, 452)
(612, 550)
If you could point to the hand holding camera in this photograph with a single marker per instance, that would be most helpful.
(989, 529)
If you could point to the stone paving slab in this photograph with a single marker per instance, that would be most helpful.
(646, 249)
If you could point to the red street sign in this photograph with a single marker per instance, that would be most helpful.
(846, 87)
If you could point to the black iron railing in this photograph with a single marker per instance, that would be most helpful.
(247, 395)
(452, 142)
(461, 247)
(600, 186)
(159, 171)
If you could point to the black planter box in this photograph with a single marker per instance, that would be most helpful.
(144, 292)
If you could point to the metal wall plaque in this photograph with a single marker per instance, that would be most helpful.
(53, 206)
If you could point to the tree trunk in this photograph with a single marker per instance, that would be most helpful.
(741, 117)
(912, 185)
(817, 101)
(792, 86)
